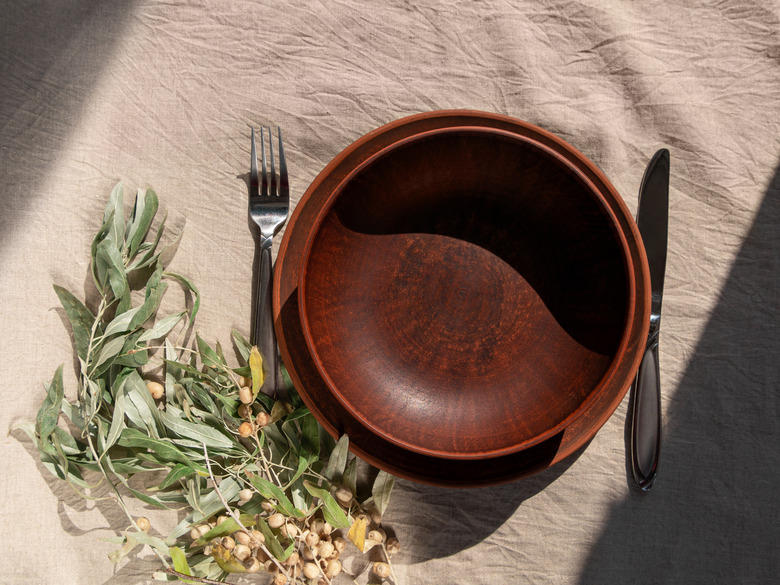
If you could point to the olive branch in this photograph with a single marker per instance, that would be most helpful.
(265, 488)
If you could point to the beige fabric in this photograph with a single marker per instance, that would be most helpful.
(162, 94)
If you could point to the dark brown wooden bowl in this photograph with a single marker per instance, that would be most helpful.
(471, 295)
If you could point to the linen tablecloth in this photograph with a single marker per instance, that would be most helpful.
(163, 95)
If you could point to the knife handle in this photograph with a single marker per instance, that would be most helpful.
(262, 321)
(646, 417)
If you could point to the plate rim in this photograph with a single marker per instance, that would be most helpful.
(411, 465)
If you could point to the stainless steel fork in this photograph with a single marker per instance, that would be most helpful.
(269, 205)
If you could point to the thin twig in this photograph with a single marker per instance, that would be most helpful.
(235, 516)
(389, 563)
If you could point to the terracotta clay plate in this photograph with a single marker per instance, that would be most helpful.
(464, 295)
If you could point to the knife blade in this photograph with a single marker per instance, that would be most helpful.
(652, 219)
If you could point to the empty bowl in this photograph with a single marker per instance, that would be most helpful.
(468, 292)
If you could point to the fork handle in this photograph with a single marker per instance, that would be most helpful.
(263, 322)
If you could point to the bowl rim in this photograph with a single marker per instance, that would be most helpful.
(593, 191)
(412, 466)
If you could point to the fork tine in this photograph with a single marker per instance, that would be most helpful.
(253, 192)
(284, 185)
(273, 190)
(262, 161)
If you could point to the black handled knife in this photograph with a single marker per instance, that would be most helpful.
(652, 219)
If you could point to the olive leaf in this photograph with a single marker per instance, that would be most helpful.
(227, 527)
(277, 496)
(176, 474)
(180, 563)
(150, 254)
(110, 270)
(141, 220)
(272, 541)
(189, 286)
(380, 492)
(209, 356)
(349, 479)
(211, 503)
(338, 460)
(357, 532)
(81, 320)
(162, 327)
(331, 510)
(164, 450)
(256, 366)
(201, 433)
(117, 421)
(113, 216)
(49, 411)
(128, 544)
(242, 345)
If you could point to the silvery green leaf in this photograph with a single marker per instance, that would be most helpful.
(179, 471)
(114, 216)
(208, 355)
(49, 412)
(150, 256)
(310, 435)
(188, 286)
(162, 327)
(155, 289)
(141, 220)
(197, 432)
(108, 352)
(133, 354)
(131, 229)
(73, 415)
(128, 544)
(304, 463)
(128, 465)
(302, 499)
(74, 450)
(271, 491)
(117, 422)
(140, 397)
(272, 542)
(210, 504)
(152, 541)
(242, 345)
(111, 270)
(225, 528)
(337, 463)
(291, 434)
(121, 323)
(164, 450)
(81, 320)
(331, 510)
(349, 478)
(380, 492)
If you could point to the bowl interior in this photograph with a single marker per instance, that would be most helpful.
(464, 292)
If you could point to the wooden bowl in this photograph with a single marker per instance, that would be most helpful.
(470, 289)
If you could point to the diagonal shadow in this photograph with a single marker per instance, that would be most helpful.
(712, 515)
(52, 54)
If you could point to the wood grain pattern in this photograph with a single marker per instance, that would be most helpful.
(485, 313)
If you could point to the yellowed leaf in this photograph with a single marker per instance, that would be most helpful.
(256, 366)
(357, 532)
(226, 561)
(279, 410)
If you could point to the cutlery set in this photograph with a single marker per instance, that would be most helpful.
(269, 207)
